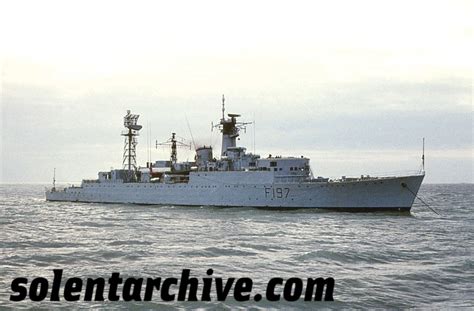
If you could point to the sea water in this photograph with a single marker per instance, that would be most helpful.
(378, 260)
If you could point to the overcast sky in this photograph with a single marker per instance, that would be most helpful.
(354, 85)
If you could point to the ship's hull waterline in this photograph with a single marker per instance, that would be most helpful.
(382, 194)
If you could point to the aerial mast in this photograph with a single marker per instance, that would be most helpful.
(230, 129)
(423, 156)
(129, 150)
(174, 143)
(223, 107)
(54, 179)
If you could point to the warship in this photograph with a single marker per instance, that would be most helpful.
(236, 178)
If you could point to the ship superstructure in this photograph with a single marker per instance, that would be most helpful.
(235, 178)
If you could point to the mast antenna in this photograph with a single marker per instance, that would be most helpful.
(223, 107)
(54, 179)
(423, 156)
(254, 133)
(147, 142)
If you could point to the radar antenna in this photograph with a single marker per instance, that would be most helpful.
(129, 150)
(174, 145)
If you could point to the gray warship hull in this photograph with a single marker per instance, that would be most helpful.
(253, 189)
(236, 179)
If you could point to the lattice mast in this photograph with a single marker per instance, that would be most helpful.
(129, 150)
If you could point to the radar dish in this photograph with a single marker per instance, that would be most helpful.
(135, 127)
(232, 115)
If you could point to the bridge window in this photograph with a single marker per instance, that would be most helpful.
(273, 163)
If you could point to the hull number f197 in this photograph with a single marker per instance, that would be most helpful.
(276, 193)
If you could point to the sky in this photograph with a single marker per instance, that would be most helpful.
(354, 85)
